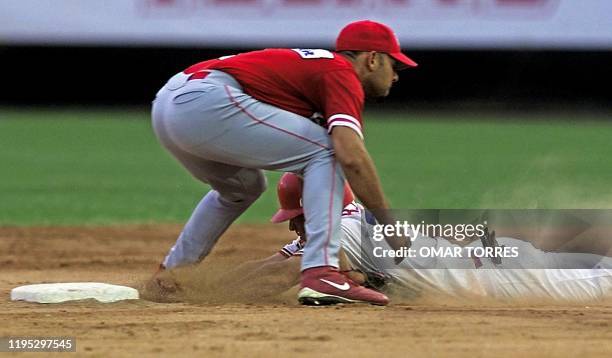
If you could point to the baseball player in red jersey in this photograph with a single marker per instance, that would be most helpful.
(291, 110)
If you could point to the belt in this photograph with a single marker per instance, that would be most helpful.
(200, 75)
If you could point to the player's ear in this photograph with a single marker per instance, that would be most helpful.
(372, 60)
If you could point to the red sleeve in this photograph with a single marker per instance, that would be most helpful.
(342, 100)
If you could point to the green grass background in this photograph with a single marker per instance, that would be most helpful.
(98, 167)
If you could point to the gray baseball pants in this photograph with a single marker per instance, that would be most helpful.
(224, 137)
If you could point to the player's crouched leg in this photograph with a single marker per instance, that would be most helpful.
(325, 285)
(243, 188)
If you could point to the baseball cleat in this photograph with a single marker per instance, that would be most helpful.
(325, 285)
(166, 283)
(162, 287)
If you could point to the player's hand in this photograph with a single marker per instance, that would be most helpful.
(398, 243)
(293, 248)
(395, 242)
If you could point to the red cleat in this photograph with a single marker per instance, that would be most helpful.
(325, 285)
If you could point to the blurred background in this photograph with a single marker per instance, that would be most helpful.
(503, 53)
(510, 105)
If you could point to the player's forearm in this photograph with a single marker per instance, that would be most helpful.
(247, 267)
(361, 175)
(276, 277)
(360, 172)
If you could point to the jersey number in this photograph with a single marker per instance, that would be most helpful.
(308, 53)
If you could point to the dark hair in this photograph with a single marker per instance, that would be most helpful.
(350, 54)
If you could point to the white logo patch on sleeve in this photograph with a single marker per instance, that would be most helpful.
(309, 53)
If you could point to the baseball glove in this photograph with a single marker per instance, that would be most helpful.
(488, 240)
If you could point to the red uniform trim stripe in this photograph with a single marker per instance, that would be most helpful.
(344, 123)
(330, 213)
(243, 110)
(331, 199)
(345, 117)
(199, 75)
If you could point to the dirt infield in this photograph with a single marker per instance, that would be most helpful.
(219, 325)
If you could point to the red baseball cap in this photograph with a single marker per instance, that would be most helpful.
(289, 192)
(368, 35)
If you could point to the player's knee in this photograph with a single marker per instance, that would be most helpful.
(247, 186)
(254, 183)
(259, 184)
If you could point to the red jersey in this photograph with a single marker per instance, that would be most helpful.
(308, 82)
